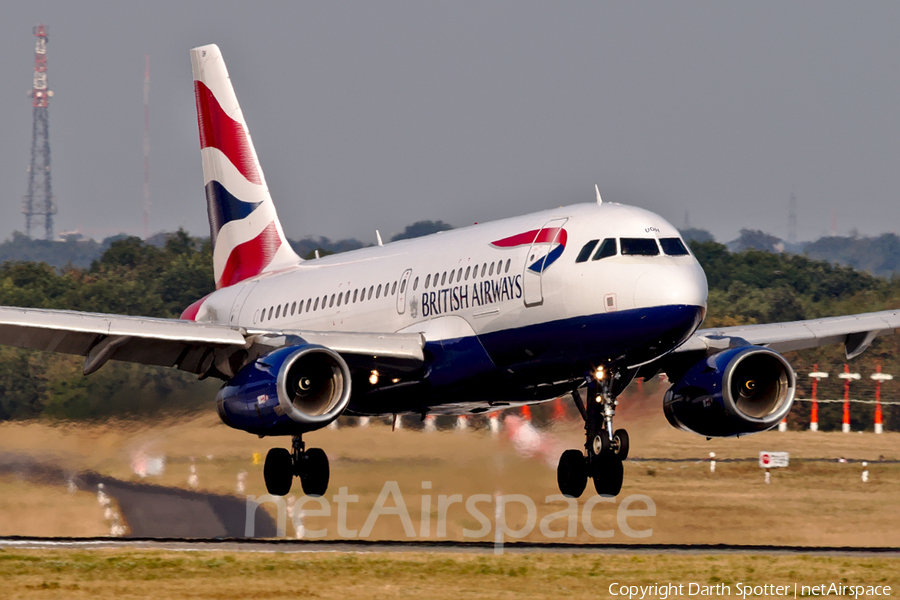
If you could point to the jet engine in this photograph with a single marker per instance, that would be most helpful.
(288, 392)
(735, 392)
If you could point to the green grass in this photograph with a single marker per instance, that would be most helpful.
(224, 575)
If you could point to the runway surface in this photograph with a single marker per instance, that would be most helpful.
(176, 518)
(363, 546)
(151, 511)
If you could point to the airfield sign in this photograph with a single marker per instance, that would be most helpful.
(771, 460)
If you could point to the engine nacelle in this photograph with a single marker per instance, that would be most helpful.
(735, 392)
(290, 391)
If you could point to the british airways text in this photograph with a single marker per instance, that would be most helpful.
(471, 295)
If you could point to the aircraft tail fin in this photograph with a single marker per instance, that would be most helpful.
(247, 238)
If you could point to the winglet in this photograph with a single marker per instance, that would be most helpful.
(378, 236)
(597, 189)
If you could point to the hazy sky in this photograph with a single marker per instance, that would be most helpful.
(378, 114)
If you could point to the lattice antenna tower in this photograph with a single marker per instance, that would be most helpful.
(38, 205)
(146, 146)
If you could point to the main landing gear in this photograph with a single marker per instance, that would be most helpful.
(605, 448)
(311, 466)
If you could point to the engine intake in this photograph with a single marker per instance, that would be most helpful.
(735, 392)
(312, 383)
(292, 390)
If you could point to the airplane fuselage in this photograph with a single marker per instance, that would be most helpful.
(508, 311)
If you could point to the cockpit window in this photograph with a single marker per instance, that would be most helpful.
(586, 251)
(673, 246)
(607, 248)
(639, 247)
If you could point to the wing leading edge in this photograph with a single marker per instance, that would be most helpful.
(856, 332)
(200, 348)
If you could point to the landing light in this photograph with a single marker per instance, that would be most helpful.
(373, 378)
(599, 374)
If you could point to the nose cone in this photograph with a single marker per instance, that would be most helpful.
(670, 285)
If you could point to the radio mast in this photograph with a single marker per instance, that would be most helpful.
(146, 146)
(792, 219)
(38, 205)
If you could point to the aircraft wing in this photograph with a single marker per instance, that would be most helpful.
(202, 348)
(856, 332)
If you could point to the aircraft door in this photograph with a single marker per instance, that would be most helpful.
(238, 305)
(548, 244)
(401, 293)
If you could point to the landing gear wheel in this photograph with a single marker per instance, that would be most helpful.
(601, 444)
(571, 473)
(608, 476)
(278, 471)
(620, 443)
(315, 473)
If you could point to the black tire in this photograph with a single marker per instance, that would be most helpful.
(621, 439)
(571, 473)
(608, 480)
(278, 472)
(315, 472)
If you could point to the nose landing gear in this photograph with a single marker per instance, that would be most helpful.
(605, 448)
(311, 466)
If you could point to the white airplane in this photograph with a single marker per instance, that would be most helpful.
(576, 300)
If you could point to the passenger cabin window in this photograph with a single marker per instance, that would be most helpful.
(673, 247)
(586, 251)
(639, 247)
(427, 280)
(607, 248)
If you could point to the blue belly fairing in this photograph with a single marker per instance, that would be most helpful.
(519, 365)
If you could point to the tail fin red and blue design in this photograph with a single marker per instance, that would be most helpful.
(247, 238)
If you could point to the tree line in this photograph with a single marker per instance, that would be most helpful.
(134, 277)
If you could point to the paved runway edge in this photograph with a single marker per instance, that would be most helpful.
(251, 545)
